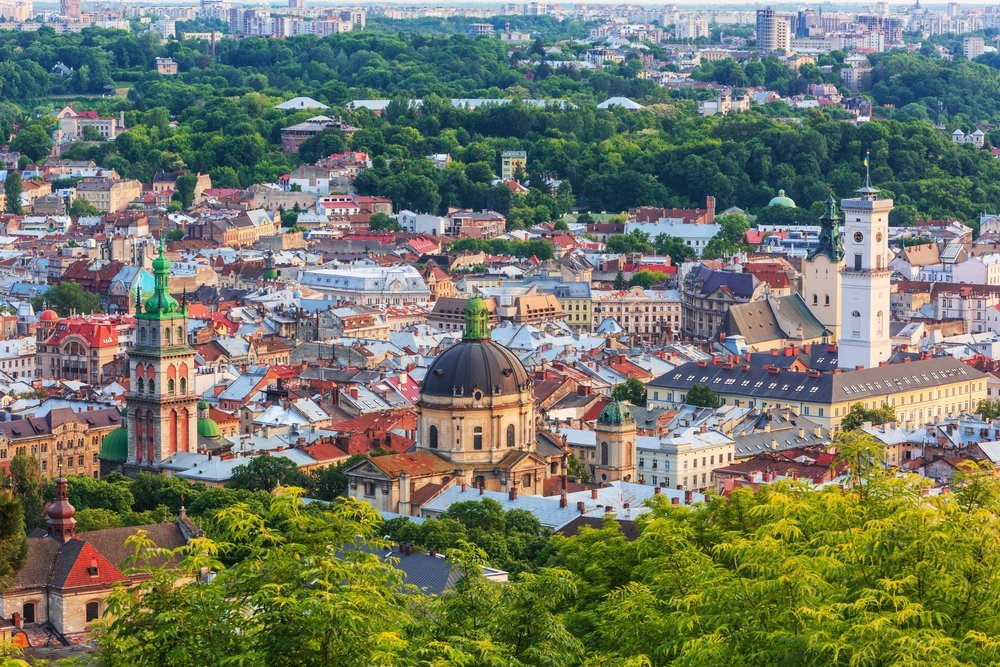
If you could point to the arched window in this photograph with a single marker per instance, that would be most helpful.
(815, 300)
(180, 335)
(479, 482)
(140, 385)
(153, 334)
(93, 611)
(167, 332)
(184, 385)
(152, 386)
(477, 437)
(432, 437)
(856, 322)
(827, 299)
(28, 612)
(170, 386)
(879, 320)
(628, 453)
(511, 435)
(604, 453)
(142, 334)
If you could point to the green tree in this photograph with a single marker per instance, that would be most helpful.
(265, 473)
(32, 141)
(175, 234)
(859, 414)
(620, 282)
(13, 541)
(330, 483)
(13, 188)
(381, 222)
(68, 297)
(26, 484)
(646, 278)
(184, 188)
(82, 207)
(678, 251)
(703, 396)
(632, 390)
(633, 242)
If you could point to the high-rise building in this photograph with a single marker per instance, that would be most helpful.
(162, 404)
(864, 319)
(70, 9)
(973, 46)
(773, 31)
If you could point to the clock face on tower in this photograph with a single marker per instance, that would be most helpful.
(878, 237)
(858, 237)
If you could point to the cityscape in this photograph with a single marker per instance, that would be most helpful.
(522, 334)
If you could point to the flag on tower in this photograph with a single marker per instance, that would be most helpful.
(866, 160)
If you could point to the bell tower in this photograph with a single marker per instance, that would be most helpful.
(162, 404)
(615, 444)
(864, 311)
(821, 277)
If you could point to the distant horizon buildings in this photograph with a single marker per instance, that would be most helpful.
(297, 4)
(70, 9)
(773, 31)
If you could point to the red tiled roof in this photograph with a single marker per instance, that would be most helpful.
(418, 463)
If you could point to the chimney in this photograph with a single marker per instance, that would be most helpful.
(581, 508)
(563, 500)
(802, 433)
(688, 497)
(656, 491)
(512, 494)
(675, 501)
(710, 205)
(593, 494)
(463, 487)
(774, 352)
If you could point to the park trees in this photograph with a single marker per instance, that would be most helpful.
(68, 297)
(632, 390)
(702, 395)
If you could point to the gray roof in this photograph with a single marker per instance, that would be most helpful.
(774, 318)
(759, 382)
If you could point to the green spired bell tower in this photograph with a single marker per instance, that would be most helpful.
(162, 404)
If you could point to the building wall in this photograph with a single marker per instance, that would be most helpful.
(913, 408)
(821, 291)
(683, 467)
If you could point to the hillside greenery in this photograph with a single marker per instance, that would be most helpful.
(876, 572)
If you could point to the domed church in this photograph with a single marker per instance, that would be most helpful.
(476, 425)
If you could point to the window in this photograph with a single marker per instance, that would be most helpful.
(815, 300)
(170, 386)
(477, 437)
(827, 299)
(604, 454)
(184, 385)
(370, 489)
(140, 385)
(152, 386)
(92, 611)
(511, 435)
(28, 612)
(857, 262)
(432, 436)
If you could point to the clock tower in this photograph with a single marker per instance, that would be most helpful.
(864, 299)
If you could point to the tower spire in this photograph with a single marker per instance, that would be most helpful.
(477, 320)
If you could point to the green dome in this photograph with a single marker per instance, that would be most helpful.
(782, 200)
(115, 445)
(164, 304)
(615, 413)
(207, 428)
